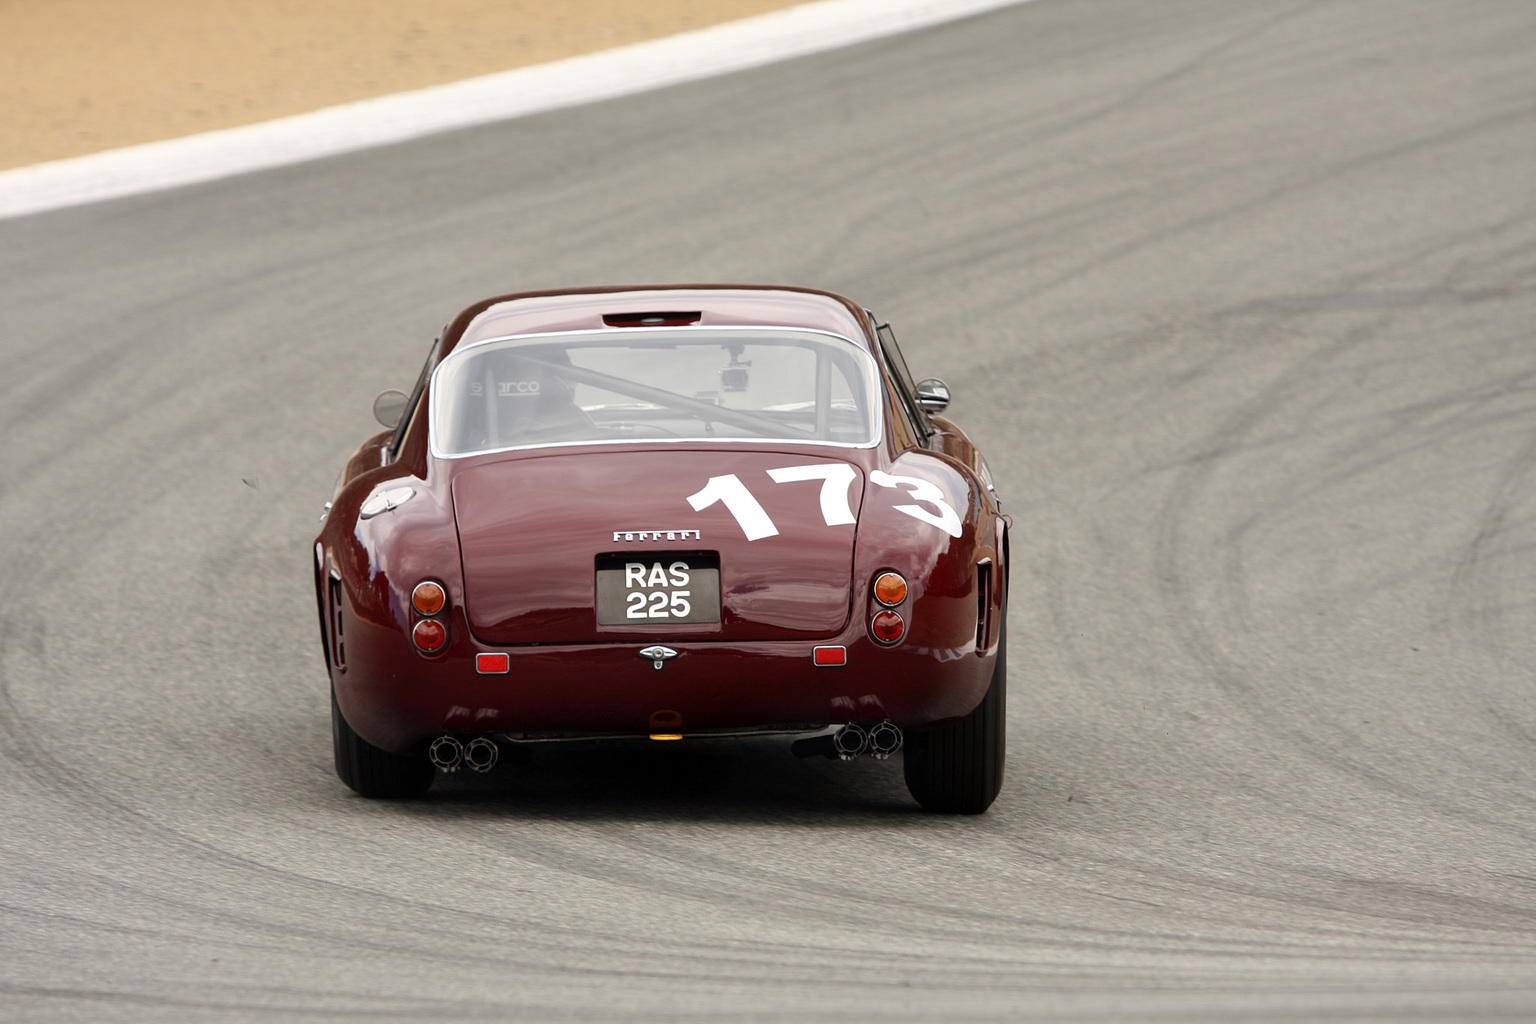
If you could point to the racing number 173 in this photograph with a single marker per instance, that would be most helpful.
(835, 477)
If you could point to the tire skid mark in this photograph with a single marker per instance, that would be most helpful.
(1200, 637)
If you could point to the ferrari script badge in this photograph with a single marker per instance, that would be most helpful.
(672, 535)
(658, 654)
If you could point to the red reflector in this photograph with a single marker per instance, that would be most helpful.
(492, 664)
(887, 627)
(830, 656)
(430, 635)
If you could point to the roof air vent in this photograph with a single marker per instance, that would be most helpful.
(656, 319)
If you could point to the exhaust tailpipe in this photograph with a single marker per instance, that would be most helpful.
(481, 754)
(884, 740)
(878, 739)
(850, 741)
(447, 753)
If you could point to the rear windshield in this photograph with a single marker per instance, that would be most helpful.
(654, 384)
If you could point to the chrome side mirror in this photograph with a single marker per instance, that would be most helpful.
(932, 395)
(389, 407)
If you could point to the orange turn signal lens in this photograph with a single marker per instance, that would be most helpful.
(887, 627)
(890, 589)
(428, 598)
(430, 636)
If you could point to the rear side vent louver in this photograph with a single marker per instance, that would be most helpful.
(983, 606)
(338, 645)
(659, 318)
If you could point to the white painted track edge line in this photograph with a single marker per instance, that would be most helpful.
(719, 49)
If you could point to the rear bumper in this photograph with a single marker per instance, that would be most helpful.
(395, 698)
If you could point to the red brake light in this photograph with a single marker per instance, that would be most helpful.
(887, 626)
(430, 635)
(890, 589)
(428, 598)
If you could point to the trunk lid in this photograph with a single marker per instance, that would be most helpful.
(533, 532)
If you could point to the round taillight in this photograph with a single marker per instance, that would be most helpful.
(430, 635)
(887, 626)
(428, 598)
(890, 589)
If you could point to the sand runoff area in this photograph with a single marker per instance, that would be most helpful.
(82, 76)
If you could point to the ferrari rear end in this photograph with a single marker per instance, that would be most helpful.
(656, 530)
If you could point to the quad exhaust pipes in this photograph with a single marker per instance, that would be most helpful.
(852, 740)
(448, 754)
(877, 739)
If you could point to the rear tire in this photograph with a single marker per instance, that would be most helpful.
(958, 768)
(372, 772)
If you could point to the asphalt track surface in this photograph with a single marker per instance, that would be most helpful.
(1239, 299)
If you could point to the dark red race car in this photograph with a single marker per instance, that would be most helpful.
(663, 513)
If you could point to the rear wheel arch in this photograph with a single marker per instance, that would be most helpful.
(958, 768)
(372, 772)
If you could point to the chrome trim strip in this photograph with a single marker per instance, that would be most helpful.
(684, 442)
(807, 729)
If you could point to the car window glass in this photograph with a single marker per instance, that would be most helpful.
(896, 363)
(410, 405)
(654, 384)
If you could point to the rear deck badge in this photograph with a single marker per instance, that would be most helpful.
(650, 535)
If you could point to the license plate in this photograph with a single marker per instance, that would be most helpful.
(634, 589)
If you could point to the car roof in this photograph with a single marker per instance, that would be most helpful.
(704, 305)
